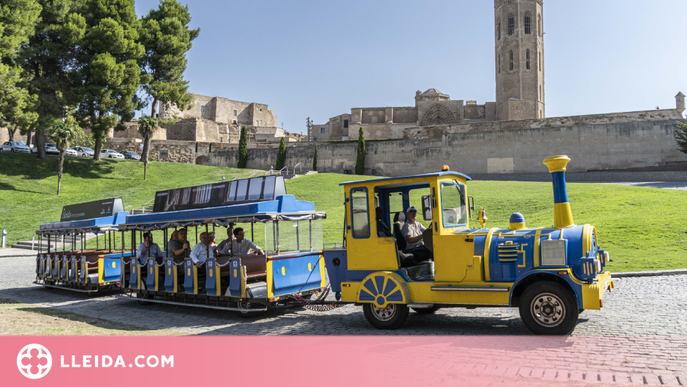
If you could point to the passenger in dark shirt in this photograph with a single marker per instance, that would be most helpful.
(181, 249)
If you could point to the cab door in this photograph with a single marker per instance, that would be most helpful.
(365, 250)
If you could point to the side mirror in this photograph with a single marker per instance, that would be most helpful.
(427, 207)
(471, 205)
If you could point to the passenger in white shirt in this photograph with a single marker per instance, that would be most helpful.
(204, 250)
(240, 245)
(148, 249)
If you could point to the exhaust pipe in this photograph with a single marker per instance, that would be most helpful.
(562, 215)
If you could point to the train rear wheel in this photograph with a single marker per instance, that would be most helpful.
(390, 317)
(426, 310)
(548, 308)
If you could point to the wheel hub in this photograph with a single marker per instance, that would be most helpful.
(384, 314)
(548, 310)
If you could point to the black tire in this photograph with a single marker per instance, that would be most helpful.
(548, 308)
(426, 310)
(391, 317)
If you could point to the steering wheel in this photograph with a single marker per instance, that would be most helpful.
(427, 239)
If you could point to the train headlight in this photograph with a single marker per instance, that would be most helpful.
(597, 264)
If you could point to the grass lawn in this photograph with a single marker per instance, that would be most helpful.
(30, 320)
(642, 228)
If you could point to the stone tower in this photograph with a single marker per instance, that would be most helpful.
(519, 59)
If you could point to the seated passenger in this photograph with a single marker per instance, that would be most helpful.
(168, 250)
(382, 229)
(205, 249)
(225, 246)
(148, 249)
(240, 245)
(181, 249)
(412, 232)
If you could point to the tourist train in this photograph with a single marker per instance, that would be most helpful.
(550, 273)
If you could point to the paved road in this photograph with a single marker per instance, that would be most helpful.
(641, 331)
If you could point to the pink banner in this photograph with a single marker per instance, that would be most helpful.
(337, 361)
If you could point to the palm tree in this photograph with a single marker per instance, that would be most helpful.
(62, 133)
(146, 126)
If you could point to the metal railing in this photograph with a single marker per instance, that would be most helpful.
(143, 209)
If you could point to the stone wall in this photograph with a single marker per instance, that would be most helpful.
(5, 136)
(615, 142)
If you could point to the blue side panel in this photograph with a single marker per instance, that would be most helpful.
(296, 274)
(55, 267)
(188, 276)
(118, 255)
(150, 278)
(211, 275)
(64, 267)
(235, 281)
(41, 265)
(133, 277)
(337, 274)
(170, 272)
(74, 270)
(574, 237)
(111, 271)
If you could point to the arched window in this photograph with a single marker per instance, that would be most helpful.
(528, 23)
(511, 25)
(511, 60)
(498, 30)
(539, 24)
(527, 58)
(202, 109)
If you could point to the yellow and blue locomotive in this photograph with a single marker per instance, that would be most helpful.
(549, 273)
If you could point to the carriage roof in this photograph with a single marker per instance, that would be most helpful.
(284, 207)
(94, 225)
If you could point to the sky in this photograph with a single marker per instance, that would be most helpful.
(319, 59)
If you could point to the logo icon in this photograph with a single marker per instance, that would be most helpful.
(34, 361)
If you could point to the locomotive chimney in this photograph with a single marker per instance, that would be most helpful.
(562, 215)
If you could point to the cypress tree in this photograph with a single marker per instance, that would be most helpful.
(243, 148)
(681, 136)
(360, 160)
(314, 160)
(281, 156)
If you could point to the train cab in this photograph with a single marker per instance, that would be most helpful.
(409, 244)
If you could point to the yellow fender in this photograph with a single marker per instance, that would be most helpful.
(383, 288)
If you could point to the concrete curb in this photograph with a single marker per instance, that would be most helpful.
(649, 273)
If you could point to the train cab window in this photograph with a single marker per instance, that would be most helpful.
(231, 192)
(268, 191)
(453, 210)
(360, 213)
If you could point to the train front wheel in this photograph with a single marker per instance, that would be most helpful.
(390, 317)
(548, 308)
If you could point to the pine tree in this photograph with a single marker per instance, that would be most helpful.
(681, 136)
(360, 160)
(105, 34)
(314, 160)
(243, 148)
(281, 156)
(166, 38)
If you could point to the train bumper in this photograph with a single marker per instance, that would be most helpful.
(592, 294)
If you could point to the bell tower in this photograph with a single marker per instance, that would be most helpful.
(519, 59)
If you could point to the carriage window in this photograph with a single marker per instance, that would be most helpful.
(242, 190)
(268, 192)
(255, 189)
(360, 213)
(231, 192)
(453, 204)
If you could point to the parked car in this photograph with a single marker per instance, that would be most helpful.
(71, 152)
(111, 154)
(129, 155)
(84, 151)
(50, 148)
(14, 147)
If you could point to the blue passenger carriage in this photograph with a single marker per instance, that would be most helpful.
(289, 232)
(76, 267)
